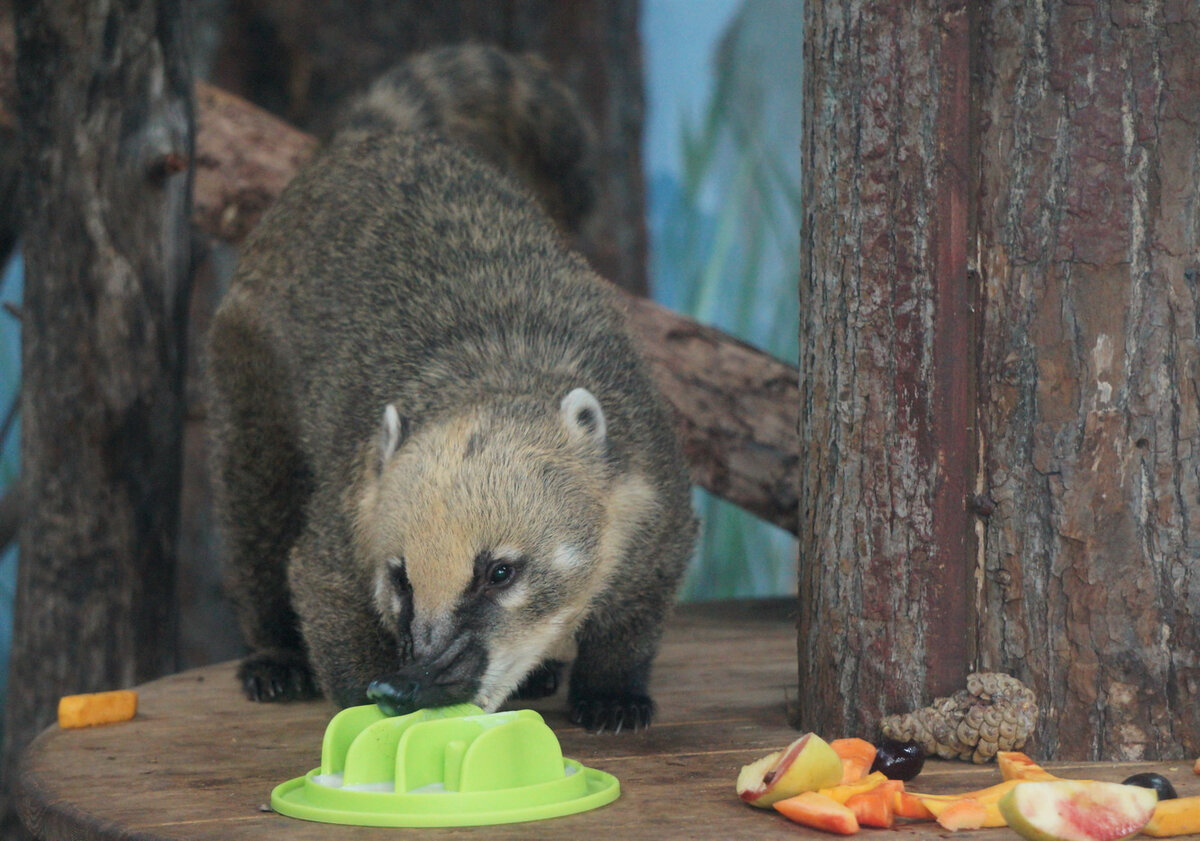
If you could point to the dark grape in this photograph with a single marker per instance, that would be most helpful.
(898, 760)
(1158, 782)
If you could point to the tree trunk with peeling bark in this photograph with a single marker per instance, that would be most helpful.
(1069, 253)
(105, 110)
(886, 385)
(1089, 242)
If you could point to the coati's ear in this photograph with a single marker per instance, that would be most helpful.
(392, 432)
(582, 416)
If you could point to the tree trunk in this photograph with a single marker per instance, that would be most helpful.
(1081, 162)
(105, 110)
(1089, 242)
(301, 59)
(886, 442)
(10, 147)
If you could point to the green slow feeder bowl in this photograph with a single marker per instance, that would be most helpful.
(450, 766)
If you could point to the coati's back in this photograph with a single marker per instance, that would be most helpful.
(433, 275)
(432, 407)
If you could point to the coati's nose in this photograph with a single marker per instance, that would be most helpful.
(392, 699)
(451, 677)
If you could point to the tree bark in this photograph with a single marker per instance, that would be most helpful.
(885, 416)
(301, 59)
(10, 147)
(1084, 231)
(1089, 244)
(735, 403)
(104, 102)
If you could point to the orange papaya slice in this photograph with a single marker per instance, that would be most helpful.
(873, 808)
(857, 756)
(1180, 816)
(819, 812)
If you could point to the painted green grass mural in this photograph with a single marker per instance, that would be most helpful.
(725, 249)
(10, 378)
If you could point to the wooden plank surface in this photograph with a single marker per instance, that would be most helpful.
(199, 762)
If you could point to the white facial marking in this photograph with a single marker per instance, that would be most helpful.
(387, 600)
(567, 557)
(509, 661)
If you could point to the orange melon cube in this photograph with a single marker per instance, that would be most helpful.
(96, 708)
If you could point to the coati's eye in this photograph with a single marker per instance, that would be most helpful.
(501, 574)
(494, 573)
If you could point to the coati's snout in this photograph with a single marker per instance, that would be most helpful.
(443, 655)
(450, 676)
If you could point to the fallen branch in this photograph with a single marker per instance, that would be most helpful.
(737, 405)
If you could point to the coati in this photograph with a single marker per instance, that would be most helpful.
(438, 459)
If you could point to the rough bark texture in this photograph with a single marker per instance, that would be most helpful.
(736, 407)
(10, 148)
(736, 404)
(1084, 229)
(301, 59)
(885, 365)
(104, 102)
(1089, 244)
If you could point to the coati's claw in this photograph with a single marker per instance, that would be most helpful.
(277, 676)
(542, 682)
(612, 714)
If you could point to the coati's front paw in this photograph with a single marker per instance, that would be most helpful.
(613, 713)
(277, 675)
(542, 682)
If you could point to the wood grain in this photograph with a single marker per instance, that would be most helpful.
(199, 762)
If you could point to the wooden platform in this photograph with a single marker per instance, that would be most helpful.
(199, 761)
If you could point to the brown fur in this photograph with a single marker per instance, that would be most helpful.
(402, 269)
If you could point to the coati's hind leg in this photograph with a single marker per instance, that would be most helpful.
(261, 485)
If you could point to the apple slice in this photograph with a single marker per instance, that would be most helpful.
(1077, 810)
(807, 764)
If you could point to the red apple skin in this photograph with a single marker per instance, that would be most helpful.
(807, 764)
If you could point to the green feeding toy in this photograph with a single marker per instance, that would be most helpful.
(449, 766)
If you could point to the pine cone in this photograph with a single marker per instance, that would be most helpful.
(995, 712)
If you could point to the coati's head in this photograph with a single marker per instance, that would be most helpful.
(487, 535)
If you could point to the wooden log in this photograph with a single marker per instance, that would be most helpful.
(736, 404)
(886, 408)
(1089, 256)
(104, 105)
